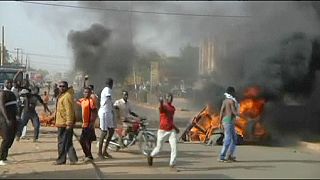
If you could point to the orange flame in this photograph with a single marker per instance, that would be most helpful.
(251, 108)
(46, 119)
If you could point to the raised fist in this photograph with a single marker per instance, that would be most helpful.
(160, 99)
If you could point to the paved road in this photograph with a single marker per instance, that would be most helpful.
(34, 160)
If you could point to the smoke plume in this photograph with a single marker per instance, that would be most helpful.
(100, 56)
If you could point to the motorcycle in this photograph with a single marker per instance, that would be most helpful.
(138, 133)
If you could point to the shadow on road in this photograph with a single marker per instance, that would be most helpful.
(283, 161)
(223, 168)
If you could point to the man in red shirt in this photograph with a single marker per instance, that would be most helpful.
(167, 129)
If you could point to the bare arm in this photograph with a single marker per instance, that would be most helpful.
(233, 109)
(134, 114)
(161, 107)
(44, 105)
(221, 111)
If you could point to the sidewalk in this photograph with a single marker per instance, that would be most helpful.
(30, 160)
(310, 146)
(34, 160)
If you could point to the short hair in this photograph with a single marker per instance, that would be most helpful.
(230, 90)
(87, 88)
(91, 86)
(124, 91)
(8, 80)
(169, 94)
(109, 81)
(36, 88)
(64, 82)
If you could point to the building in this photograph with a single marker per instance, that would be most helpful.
(206, 57)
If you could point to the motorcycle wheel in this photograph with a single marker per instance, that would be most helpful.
(147, 142)
(113, 143)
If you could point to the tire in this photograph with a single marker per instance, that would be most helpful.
(215, 139)
(147, 142)
(112, 144)
(219, 140)
(240, 140)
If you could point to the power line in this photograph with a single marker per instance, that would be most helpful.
(44, 55)
(136, 11)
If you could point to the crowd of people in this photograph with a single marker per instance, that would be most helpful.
(18, 106)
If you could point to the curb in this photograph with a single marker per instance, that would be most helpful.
(312, 146)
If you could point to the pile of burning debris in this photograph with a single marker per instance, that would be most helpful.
(205, 126)
(46, 119)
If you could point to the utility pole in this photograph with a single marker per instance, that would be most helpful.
(132, 53)
(17, 59)
(26, 62)
(2, 47)
(21, 57)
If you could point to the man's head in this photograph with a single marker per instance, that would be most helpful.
(91, 87)
(63, 86)
(15, 84)
(86, 92)
(125, 95)
(169, 98)
(8, 84)
(25, 83)
(230, 90)
(35, 90)
(109, 82)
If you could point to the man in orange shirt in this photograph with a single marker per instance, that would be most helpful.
(46, 97)
(88, 107)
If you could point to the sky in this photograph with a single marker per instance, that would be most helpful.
(25, 29)
(38, 29)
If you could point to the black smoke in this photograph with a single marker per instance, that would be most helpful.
(278, 50)
(100, 55)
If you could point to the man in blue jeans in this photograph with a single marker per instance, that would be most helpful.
(29, 112)
(229, 111)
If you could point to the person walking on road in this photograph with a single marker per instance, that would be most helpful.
(29, 112)
(167, 129)
(65, 120)
(228, 112)
(107, 120)
(88, 134)
(8, 123)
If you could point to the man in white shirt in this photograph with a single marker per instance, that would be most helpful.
(107, 120)
(126, 116)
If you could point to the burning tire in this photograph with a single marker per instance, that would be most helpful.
(240, 140)
(216, 139)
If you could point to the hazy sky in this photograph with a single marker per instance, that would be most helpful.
(42, 29)
(25, 29)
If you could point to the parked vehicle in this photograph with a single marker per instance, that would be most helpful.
(9, 72)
